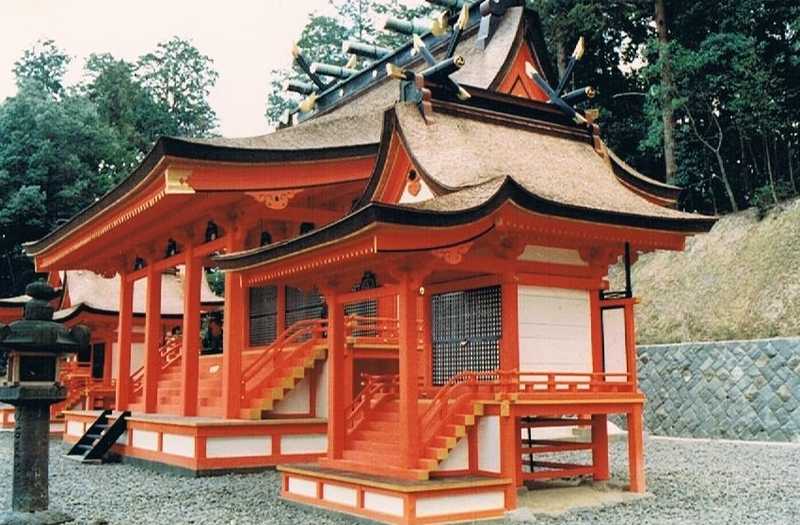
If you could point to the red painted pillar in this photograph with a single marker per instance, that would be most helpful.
(124, 333)
(409, 419)
(190, 343)
(600, 447)
(509, 353)
(336, 373)
(233, 333)
(596, 320)
(510, 458)
(280, 310)
(636, 450)
(630, 343)
(152, 339)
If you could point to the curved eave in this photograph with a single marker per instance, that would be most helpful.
(176, 148)
(509, 191)
(642, 183)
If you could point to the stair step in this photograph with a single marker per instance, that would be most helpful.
(382, 470)
(374, 436)
(382, 426)
(389, 417)
(373, 458)
(372, 446)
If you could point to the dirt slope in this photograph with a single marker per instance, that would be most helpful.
(739, 281)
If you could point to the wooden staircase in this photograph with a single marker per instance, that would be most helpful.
(281, 366)
(98, 439)
(371, 446)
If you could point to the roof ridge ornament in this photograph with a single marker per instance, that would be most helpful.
(491, 12)
(554, 96)
(413, 85)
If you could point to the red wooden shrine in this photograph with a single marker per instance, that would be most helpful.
(415, 284)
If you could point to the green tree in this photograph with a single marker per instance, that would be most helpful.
(43, 65)
(180, 78)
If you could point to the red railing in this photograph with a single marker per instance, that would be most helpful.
(468, 387)
(384, 331)
(169, 353)
(376, 389)
(300, 337)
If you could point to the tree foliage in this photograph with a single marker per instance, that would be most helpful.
(62, 147)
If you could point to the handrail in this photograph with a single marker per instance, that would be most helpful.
(362, 405)
(169, 352)
(304, 335)
(298, 330)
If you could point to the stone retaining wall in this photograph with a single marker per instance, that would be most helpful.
(746, 390)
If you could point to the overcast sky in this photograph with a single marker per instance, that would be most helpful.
(245, 38)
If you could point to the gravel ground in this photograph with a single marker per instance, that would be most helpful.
(690, 482)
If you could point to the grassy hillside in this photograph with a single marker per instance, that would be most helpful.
(739, 281)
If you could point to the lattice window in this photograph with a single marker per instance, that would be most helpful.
(263, 315)
(302, 305)
(367, 308)
(466, 331)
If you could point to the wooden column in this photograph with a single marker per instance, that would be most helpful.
(190, 342)
(509, 352)
(636, 450)
(108, 345)
(596, 326)
(600, 447)
(630, 343)
(124, 335)
(152, 339)
(427, 340)
(233, 334)
(336, 372)
(280, 310)
(510, 457)
(408, 368)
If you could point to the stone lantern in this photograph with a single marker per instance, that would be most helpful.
(32, 349)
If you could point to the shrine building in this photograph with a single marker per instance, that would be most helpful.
(416, 285)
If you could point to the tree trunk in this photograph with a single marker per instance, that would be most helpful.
(769, 170)
(561, 57)
(789, 154)
(724, 177)
(667, 89)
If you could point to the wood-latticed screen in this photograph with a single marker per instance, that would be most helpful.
(263, 315)
(302, 305)
(466, 329)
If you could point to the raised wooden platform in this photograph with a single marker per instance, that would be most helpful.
(388, 500)
(7, 422)
(202, 445)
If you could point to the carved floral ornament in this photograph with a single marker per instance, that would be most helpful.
(274, 200)
(453, 254)
(177, 181)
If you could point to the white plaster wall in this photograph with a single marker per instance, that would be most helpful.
(339, 494)
(554, 330)
(75, 428)
(383, 503)
(322, 390)
(614, 342)
(549, 254)
(145, 439)
(304, 443)
(235, 447)
(56, 427)
(460, 503)
(489, 444)
(137, 357)
(458, 459)
(302, 487)
(297, 400)
(178, 445)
